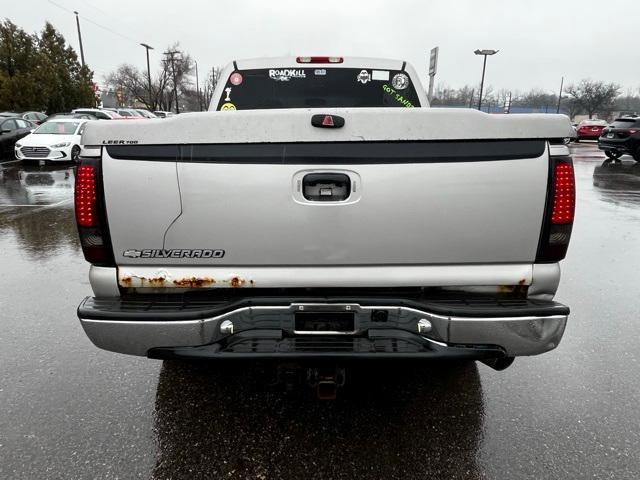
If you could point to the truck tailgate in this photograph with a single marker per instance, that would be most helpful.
(422, 201)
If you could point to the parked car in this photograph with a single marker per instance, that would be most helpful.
(622, 136)
(69, 115)
(12, 129)
(590, 129)
(101, 114)
(53, 141)
(145, 113)
(333, 232)
(163, 114)
(35, 117)
(130, 114)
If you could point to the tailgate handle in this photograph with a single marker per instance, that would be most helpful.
(326, 187)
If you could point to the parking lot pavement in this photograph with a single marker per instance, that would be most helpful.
(69, 410)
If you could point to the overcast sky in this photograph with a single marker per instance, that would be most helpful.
(539, 40)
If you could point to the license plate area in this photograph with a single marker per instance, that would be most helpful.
(323, 323)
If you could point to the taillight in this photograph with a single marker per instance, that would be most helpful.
(86, 196)
(559, 212)
(89, 211)
(564, 194)
(632, 131)
(319, 59)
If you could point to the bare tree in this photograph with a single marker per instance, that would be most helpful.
(210, 85)
(594, 96)
(572, 107)
(134, 86)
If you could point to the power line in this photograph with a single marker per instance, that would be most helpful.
(95, 23)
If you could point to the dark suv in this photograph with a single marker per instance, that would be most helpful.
(622, 136)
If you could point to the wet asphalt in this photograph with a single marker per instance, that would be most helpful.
(69, 410)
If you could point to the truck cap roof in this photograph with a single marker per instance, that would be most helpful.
(347, 62)
(294, 125)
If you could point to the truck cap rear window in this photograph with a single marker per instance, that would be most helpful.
(317, 87)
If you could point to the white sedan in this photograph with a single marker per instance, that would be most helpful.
(54, 141)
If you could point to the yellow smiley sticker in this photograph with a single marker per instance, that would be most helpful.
(227, 106)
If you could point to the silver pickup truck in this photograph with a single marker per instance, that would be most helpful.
(321, 210)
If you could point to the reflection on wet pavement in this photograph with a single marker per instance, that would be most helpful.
(34, 185)
(402, 421)
(36, 205)
(618, 182)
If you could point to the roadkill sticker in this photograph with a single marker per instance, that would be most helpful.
(173, 253)
(364, 77)
(284, 75)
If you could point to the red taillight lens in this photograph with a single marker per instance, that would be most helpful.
(632, 131)
(564, 194)
(92, 229)
(86, 196)
(319, 59)
(559, 213)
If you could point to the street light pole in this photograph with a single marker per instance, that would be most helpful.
(560, 95)
(147, 48)
(79, 38)
(484, 53)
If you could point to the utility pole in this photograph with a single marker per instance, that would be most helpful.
(79, 38)
(198, 89)
(173, 74)
(147, 48)
(485, 53)
(560, 95)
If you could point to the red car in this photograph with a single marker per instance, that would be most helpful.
(590, 129)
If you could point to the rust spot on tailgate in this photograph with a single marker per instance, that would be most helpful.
(134, 281)
(518, 290)
(194, 282)
(155, 282)
(129, 280)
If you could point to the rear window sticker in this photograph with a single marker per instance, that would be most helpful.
(364, 77)
(400, 81)
(398, 98)
(228, 92)
(235, 78)
(227, 106)
(320, 71)
(286, 74)
(380, 75)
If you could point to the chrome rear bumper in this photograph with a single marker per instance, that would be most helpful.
(137, 328)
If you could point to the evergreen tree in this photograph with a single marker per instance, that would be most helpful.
(41, 72)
